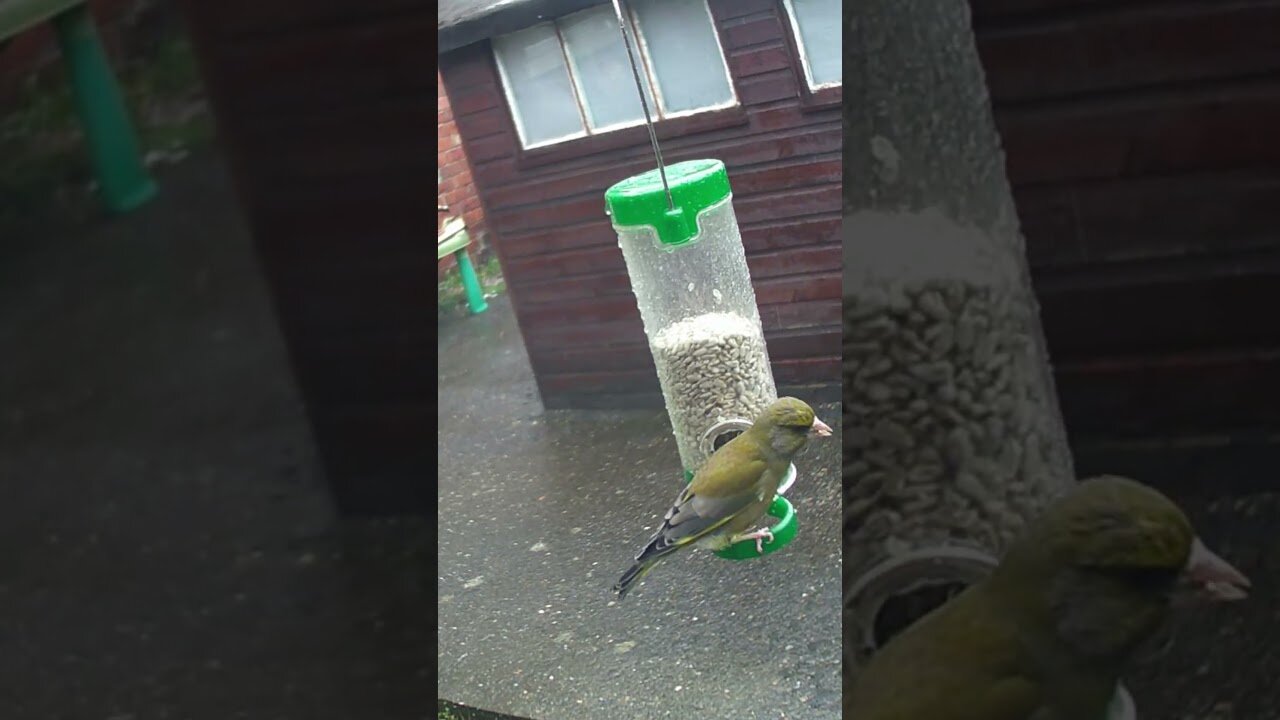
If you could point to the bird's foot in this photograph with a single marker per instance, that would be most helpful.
(760, 536)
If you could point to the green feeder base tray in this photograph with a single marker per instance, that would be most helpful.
(784, 530)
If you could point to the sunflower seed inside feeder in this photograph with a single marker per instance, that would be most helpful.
(713, 367)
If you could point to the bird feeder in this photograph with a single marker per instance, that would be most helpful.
(684, 255)
(953, 437)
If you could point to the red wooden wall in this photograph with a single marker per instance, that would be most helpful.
(456, 188)
(1143, 142)
(1140, 139)
(560, 256)
(323, 107)
(1140, 136)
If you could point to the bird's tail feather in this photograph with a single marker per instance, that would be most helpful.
(658, 547)
(633, 576)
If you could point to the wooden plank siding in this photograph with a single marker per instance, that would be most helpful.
(564, 269)
(1141, 142)
(1139, 137)
(323, 108)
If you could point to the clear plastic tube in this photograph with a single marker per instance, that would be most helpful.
(703, 325)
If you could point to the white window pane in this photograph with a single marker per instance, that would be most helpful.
(684, 53)
(820, 42)
(599, 59)
(538, 84)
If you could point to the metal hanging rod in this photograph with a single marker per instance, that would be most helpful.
(648, 120)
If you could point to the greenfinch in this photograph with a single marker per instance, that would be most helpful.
(1048, 634)
(733, 489)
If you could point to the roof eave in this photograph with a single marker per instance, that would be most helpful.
(507, 19)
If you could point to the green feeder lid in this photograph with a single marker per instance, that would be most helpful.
(640, 200)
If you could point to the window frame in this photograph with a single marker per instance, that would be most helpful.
(811, 98)
(514, 109)
(584, 107)
(733, 100)
(661, 118)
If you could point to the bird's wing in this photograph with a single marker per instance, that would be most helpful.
(953, 666)
(701, 508)
(1010, 698)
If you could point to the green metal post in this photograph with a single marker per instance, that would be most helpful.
(470, 283)
(113, 147)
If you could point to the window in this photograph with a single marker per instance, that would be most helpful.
(571, 78)
(817, 25)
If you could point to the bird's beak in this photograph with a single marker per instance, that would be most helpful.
(821, 429)
(1212, 578)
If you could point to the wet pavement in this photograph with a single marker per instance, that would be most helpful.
(167, 547)
(541, 512)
